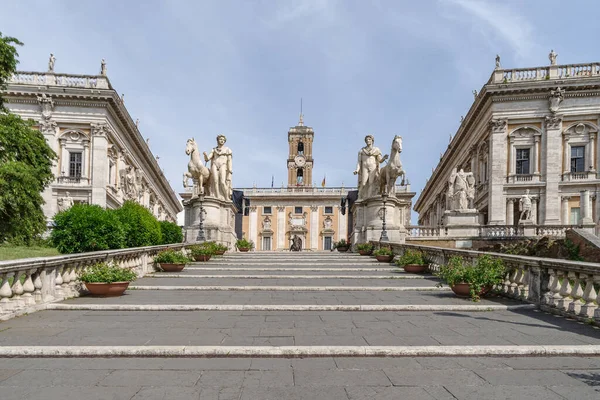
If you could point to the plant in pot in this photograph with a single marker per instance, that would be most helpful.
(201, 252)
(412, 261)
(364, 249)
(219, 249)
(171, 260)
(105, 279)
(472, 280)
(342, 245)
(384, 254)
(244, 245)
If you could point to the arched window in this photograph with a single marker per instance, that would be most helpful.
(300, 148)
(299, 176)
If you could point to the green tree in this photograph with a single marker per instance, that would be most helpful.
(141, 227)
(171, 232)
(25, 163)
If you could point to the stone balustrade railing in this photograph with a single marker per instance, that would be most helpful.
(28, 284)
(565, 287)
(65, 80)
(501, 231)
(569, 71)
(419, 231)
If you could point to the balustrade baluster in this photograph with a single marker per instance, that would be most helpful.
(589, 296)
(17, 289)
(518, 289)
(513, 290)
(6, 293)
(66, 278)
(28, 288)
(553, 285)
(58, 281)
(565, 291)
(37, 283)
(524, 292)
(576, 294)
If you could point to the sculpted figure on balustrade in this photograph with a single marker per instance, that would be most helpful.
(525, 207)
(460, 194)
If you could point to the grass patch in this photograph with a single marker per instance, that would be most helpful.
(12, 252)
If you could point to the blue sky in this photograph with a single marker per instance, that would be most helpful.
(201, 68)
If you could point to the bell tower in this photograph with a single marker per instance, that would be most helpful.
(300, 162)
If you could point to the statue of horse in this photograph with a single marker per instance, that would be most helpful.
(393, 169)
(199, 173)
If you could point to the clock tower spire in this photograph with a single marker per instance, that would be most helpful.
(300, 162)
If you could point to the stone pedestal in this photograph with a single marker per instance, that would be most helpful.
(528, 227)
(218, 220)
(367, 220)
(462, 223)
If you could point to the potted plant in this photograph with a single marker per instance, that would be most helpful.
(342, 245)
(105, 279)
(171, 260)
(364, 249)
(412, 261)
(244, 245)
(472, 280)
(384, 254)
(201, 252)
(219, 249)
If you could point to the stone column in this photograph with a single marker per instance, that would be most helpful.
(534, 203)
(565, 210)
(314, 227)
(536, 154)
(566, 158)
(497, 162)
(342, 225)
(252, 226)
(280, 227)
(592, 166)
(552, 170)
(99, 163)
(510, 212)
(64, 159)
(585, 215)
(86, 156)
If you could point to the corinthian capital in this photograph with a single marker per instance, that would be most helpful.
(100, 129)
(498, 125)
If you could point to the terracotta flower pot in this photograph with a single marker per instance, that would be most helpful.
(244, 249)
(172, 267)
(220, 252)
(107, 289)
(365, 252)
(342, 249)
(202, 257)
(463, 290)
(415, 268)
(384, 258)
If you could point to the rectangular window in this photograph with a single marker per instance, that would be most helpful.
(577, 159)
(266, 210)
(297, 210)
(267, 243)
(327, 243)
(522, 161)
(574, 217)
(328, 210)
(75, 164)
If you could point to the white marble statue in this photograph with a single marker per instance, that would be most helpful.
(367, 169)
(525, 207)
(51, 62)
(220, 169)
(103, 67)
(498, 62)
(461, 190)
(199, 174)
(130, 183)
(552, 57)
(65, 202)
(393, 169)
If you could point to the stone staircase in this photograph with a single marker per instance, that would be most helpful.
(300, 325)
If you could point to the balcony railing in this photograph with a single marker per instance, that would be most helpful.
(519, 178)
(578, 176)
(418, 231)
(501, 231)
(64, 80)
(73, 180)
(569, 71)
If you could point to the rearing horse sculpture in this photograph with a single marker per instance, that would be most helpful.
(199, 173)
(393, 169)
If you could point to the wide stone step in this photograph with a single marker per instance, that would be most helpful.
(323, 281)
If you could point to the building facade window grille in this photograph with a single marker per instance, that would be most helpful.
(578, 159)
(75, 164)
(267, 210)
(297, 210)
(522, 161)
(328, 210)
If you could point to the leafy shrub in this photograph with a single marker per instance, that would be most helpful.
(106, 273)
(368, 247)
(202, 250)
(411, 257)
(244, 244)
(171, 257)
(342, 243)
(384, 251)
(171, 232)
(487, 271)
(141, 227)
(86, 227)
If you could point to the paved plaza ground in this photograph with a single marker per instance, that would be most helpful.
(220, 289)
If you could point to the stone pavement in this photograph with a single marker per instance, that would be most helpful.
(329, 345)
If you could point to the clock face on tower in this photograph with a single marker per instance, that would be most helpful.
(300, 161)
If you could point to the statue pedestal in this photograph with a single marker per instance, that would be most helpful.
(218, 220)
(368, 223)
(528, 228)
(462, 223)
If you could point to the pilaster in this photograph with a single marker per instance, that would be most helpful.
(497, 163)
(280, 227)
(99, 160)
(553, 169)
(314, 227)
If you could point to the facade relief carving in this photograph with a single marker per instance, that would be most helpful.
(556, 97)
(130, 183)
(498, 125)
(553, 121)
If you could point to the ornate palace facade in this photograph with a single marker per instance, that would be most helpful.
(102, 156)
(528, 129)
